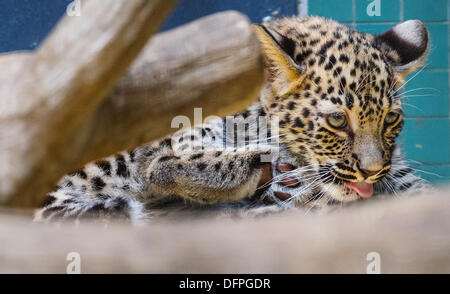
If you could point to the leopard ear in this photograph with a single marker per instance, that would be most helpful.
(279, 52)
(406, 45)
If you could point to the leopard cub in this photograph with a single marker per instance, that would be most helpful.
(331, 104)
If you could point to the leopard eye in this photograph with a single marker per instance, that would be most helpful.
(391, 117)
(337, 120)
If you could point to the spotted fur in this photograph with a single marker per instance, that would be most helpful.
(317, 71)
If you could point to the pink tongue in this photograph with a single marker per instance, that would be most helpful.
(363, 189)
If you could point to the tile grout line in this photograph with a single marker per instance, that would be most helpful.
(402, 13)
(448, 48)
(302, 8)
(354, 14)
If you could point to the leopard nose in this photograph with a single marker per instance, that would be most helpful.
(368, 173)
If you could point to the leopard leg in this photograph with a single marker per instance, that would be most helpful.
(207, 176)
(101, 190)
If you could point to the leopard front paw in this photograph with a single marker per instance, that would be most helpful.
(286, 187)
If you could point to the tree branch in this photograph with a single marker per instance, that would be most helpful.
(213, 63)
(410, 234)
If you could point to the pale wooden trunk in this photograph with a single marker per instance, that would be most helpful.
(410, 236)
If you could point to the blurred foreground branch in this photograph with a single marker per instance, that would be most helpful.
(409, 234)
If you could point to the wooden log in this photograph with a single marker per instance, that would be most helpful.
(213, 63)
(44, 101)
(411, 235)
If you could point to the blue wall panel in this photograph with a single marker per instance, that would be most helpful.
(25, 23)
(256, 10)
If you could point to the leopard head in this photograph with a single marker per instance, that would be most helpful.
(334, 92)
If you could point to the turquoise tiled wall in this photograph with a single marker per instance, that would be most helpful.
(426, 137)
(340, 10)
